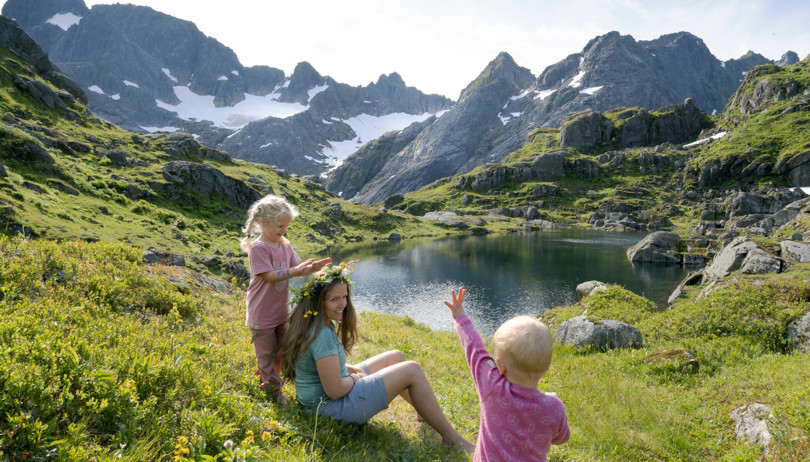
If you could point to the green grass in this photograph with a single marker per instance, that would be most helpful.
(105, 358)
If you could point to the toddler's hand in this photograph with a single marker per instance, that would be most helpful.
(456, 307)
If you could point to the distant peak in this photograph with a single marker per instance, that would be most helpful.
(30, 13)
(504, 57)
(391, 79)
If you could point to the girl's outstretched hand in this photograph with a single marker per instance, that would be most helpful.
(456, 307)
(310, 266)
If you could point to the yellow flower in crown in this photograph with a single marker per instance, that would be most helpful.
(319, 280)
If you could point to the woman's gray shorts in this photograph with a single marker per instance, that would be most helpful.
(365, 400)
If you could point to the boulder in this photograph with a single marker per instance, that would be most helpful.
(799, 334)
(731, 257)
(760, 262)
(589, 287)
(751, 423)
(656, 247)
(597, 333)
(795, 251)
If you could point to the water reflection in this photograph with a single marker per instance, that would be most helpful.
(506, 275)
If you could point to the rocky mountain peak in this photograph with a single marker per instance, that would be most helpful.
(22, 12)
(790, 57)
(504, 69)
(392, 79)
(302, 80)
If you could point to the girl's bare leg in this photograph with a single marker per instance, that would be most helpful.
(409, 376)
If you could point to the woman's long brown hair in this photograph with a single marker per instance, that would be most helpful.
(298, 338)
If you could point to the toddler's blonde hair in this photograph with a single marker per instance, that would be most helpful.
(267, 208)
(524, 343)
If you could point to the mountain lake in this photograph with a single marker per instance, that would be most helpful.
(505, 274)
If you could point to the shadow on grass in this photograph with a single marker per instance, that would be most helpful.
(327, 439)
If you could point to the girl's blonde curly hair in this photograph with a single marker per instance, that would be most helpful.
(267, 208)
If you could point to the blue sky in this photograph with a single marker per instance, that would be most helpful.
(439, 46)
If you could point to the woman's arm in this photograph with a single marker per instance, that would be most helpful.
(334, 385)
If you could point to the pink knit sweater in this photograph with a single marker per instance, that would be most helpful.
(517, 423)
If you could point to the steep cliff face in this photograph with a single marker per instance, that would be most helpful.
(146, 71)
(459, 140)
(612, 71)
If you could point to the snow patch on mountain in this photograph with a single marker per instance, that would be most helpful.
(577, 81)
(591, 90)
(367, 128)
(543, 94)
(169, 74)
(160, 129)
(201, 107)
(64, 20)
(315, 90)
(705, 140)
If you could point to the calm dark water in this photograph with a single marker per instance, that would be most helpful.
(505, 275)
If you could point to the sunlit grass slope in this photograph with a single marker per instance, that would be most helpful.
(105, 358)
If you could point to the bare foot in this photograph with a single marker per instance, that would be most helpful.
(419, 418)
(281, 399)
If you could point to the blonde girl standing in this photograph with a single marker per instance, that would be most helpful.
(273, 261)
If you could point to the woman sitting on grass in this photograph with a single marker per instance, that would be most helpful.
(322, 332)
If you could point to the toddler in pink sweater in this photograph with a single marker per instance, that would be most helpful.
(518, 422)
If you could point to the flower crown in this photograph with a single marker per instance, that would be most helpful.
(322, 278)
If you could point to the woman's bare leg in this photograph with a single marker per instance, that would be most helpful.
(409, 376)
(389, 358)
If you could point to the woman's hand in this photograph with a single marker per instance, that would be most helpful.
(356, 370)
(456, 307)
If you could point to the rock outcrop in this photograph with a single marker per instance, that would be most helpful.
(183, 176)
(589, 331)
(632, 127)
(656, 247)
(21, 44)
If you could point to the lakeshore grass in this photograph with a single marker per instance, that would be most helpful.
(105, 359)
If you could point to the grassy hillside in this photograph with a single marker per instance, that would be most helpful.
(69, 175)
(106, 359)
